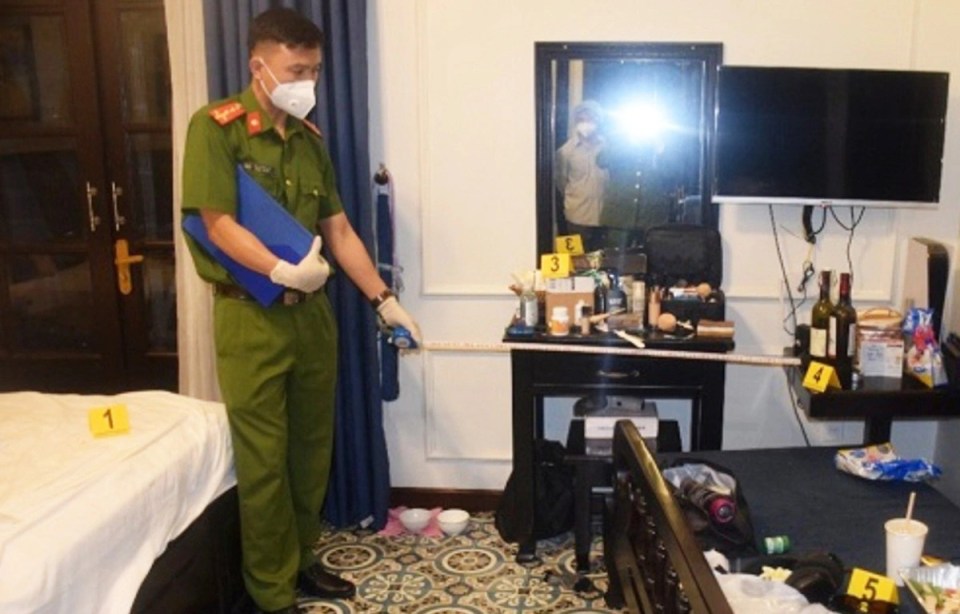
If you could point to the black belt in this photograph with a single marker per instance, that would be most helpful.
(288, 297)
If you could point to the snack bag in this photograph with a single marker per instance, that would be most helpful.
(923, 358)
(881, 462)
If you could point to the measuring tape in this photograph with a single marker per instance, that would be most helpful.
(742, 359)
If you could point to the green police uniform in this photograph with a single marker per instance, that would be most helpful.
(276, 365)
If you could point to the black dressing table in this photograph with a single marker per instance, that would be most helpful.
(575, 366)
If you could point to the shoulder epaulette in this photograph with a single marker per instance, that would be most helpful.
(312, 127)
(227, 112)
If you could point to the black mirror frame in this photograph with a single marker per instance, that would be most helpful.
(711, 54)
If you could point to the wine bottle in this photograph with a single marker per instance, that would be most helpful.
(820, 320)
(843, 333)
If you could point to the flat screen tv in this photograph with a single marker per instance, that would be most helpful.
(829, 136)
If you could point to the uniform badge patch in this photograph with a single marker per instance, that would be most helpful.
(257, 168)
(226, 113)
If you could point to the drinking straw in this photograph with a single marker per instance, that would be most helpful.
(913, 498)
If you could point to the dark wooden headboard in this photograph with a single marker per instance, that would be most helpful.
(654, 562)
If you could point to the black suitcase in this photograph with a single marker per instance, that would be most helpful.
(689, 255)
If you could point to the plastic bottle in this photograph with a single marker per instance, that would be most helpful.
(560, 321)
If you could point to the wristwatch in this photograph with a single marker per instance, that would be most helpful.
(381, 298)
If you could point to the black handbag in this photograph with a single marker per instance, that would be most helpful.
(683, 253)
(553, 496)
(734, 535)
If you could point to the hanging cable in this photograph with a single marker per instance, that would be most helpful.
(786, 280)
(809, 234)
(851, 229)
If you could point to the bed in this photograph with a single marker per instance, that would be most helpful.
(654, 560)
(119, 523)
(657, 562)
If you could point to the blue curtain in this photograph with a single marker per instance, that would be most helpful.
(360, 481)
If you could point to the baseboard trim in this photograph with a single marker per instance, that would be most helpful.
(470, 500)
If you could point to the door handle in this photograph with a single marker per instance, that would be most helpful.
(123, 259)
(116, 192)
(617, 374)
(94, 218)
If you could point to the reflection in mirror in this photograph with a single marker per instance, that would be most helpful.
(623, 140)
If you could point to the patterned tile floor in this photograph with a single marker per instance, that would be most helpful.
(472, 573)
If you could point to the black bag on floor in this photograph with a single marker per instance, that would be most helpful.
(720, 523)
(553, 499)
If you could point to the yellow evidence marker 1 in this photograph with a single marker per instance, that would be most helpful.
(819, 376)
(569, 244)
(111, 420)
(869, 586)
(555, 265)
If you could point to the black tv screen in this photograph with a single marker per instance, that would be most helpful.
(829, 136)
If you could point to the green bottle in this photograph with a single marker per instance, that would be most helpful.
(842, 346)
(820, 320)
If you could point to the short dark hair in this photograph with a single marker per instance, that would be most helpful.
(284, 26)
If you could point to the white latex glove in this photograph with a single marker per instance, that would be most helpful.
(308, 275)
(394, 315)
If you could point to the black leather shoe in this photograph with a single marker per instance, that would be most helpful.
(315, 581)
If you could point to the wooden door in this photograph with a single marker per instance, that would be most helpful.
(85, 175)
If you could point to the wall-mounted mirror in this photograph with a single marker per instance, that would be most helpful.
(624, 139)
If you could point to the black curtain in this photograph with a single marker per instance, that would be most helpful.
(360, 481)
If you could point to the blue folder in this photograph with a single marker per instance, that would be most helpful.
(276, 228)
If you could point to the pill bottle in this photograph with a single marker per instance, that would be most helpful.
(560, 321)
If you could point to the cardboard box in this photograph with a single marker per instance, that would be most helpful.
(567, 292)
(881, 357)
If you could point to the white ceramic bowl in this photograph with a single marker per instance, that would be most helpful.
(453, 521)
(415, 519)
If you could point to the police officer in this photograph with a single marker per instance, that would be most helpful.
(277, 364)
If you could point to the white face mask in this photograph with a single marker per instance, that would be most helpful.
(586, 129)
(295, 98)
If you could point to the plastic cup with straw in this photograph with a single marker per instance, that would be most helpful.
(905, 538)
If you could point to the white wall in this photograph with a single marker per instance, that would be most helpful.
(452, 106)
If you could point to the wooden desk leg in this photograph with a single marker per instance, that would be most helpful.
(524, 431)
(876, 430)
(707, 432)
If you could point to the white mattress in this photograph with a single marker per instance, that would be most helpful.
(82, 518)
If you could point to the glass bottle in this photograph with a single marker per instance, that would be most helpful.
(843, 333)
(820, 320)
(616, 297)
(529, 308)
(600, 295)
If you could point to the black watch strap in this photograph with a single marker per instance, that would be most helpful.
(381, 298)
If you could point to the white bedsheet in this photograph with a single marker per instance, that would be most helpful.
(81, 518)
